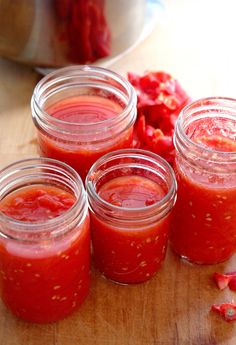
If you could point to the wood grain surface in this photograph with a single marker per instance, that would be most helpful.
(193, 40)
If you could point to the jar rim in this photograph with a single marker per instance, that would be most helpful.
(129, 153)
(180, 121)
(39, 227)
(81, 71)
(190, 150)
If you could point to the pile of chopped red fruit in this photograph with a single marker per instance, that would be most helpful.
(160, 99)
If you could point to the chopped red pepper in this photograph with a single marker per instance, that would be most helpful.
(226, 310)
(232, 283)
(224, 280)
(160, 98)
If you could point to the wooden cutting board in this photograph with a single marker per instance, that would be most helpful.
(174, 307)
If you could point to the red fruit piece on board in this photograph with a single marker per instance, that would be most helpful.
(232, 283)
(226, 310)
(224, 280)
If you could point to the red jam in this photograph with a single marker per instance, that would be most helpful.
(37, 204)
(204, 217)
(130, 254)
(131, 192)
(83, 110)
(43, 281)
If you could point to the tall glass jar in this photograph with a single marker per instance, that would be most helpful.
(44, 240)
(81, 113)
(131, 193)
(203, 226)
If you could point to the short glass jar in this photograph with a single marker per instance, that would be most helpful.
(203, 228)
(131, 193)
(81, 113)
(44, 259)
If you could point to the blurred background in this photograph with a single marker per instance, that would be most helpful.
(54, 33)
(194, 40)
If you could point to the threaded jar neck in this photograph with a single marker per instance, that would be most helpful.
(207, 118)
(131, 162)
(48, 172)
(76, 81)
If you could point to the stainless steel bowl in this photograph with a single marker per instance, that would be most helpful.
(54, 33)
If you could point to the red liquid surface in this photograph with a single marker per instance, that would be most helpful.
(83, 110)
(131, 192)
(37, 204)
(47, 280)
(203, 226)
(134, 254)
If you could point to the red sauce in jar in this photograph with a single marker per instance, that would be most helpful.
(203, 229)
(86, 109)
(37, 204)
(133, 254)
(131, 191)
(43, 281)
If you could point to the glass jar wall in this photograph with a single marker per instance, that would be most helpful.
(44, 240)
(203, 228)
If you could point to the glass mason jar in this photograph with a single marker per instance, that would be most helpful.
(131, 193)
(81, 113)
(44, 260)
(203, 228)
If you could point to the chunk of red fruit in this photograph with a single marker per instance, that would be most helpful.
(224, 280)
(226, 310)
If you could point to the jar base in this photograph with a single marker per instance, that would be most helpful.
(199, 262)
(126, 283)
